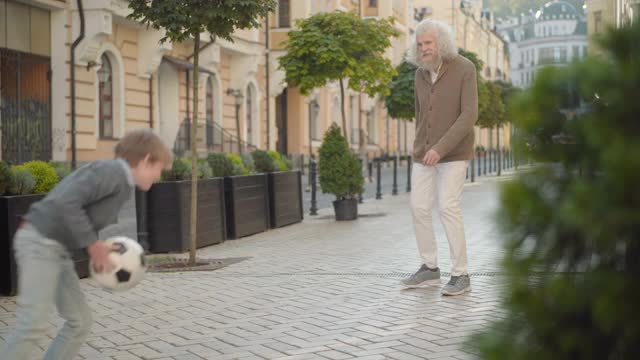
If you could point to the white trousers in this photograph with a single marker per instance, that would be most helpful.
(443, 182)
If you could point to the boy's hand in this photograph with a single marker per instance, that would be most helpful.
(99, 253)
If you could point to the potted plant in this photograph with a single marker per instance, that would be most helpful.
(169, 203)
(246, 194)
(20, 187)
(340, 174)
(285, 192)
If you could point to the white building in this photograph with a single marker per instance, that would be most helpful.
(554, 35)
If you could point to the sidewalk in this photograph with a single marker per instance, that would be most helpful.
(315, 290)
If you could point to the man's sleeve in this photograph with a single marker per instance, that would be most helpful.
(468, 114)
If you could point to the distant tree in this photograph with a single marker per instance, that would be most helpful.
(335, 46)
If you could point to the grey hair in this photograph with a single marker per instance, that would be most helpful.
(447, 48)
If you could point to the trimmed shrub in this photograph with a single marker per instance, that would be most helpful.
(22, 181)
(247, 160)
(45, 175)
(180, 170)
(238, 165)
(221, 165)
(340, 172)
(264, 162)
(279, 159)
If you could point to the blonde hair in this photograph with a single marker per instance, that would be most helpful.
(447, 48)
(137, 144)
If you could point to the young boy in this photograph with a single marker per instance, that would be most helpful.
(69, 218)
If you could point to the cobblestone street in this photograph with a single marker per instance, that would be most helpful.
(315, 290)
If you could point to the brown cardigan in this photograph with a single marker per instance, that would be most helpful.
(446, 111)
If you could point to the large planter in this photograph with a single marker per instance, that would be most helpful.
(169, 215)
(247, 205)
(12, 208)
(346, 209)
(285, 198)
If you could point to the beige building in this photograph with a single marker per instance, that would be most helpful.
(125, 79)
(473, 29)
(302, 120)
(602, 14)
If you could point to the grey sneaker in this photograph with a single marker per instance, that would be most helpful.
(457, 285)
(423, 276)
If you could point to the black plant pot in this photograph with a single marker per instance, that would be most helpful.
(346, 209)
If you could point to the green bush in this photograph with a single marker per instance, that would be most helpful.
(264, 162)
(221, 165)
(5, 177)
(180, 170)
(281, 160)
(247, 160)
(238, 165)
(62, 169)
(45, 175)
(571, 224)
(22, 181)
(340, 172)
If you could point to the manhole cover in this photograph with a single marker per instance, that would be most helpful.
(176, 264)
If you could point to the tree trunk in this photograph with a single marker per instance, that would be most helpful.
(194, 155)
(238, 127)
(344, 117)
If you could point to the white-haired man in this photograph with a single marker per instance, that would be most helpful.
(446, 111)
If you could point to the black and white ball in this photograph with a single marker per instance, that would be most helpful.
(129, 265)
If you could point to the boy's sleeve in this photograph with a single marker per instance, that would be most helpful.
(89, 186)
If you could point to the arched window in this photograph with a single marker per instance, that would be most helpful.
(209, 113)
(105, 98)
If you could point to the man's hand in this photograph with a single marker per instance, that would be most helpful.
(431, 158)
(99, 253)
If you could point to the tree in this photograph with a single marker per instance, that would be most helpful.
(483, 93)
(340, 172)
(337, 45)
(401, 98)
(572, 222)
(185, 19)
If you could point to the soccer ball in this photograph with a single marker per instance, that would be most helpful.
(129, 265)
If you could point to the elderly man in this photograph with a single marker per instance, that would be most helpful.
(446, 111)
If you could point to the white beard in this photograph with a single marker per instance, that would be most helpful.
(431, 66)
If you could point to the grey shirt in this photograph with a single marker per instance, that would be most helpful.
(83, 203)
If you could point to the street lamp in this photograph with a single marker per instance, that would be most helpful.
(237, 94)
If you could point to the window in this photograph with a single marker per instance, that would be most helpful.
(373, 3)
(575, 53)
(563, 55)
(284, 20)
(105, 98)
(371, 129)
(209, 113)
(545, 55)
(597, 22)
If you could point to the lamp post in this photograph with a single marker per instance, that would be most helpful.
(237, 94)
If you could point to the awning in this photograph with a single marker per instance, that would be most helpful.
(184, 64)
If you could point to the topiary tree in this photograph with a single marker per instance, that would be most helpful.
(572, 223)
(45, 175)
(340, 172)
(401, 100)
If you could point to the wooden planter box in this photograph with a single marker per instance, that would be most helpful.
(169, 215)
(247, 205)
(285, 198)
(12, 208)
